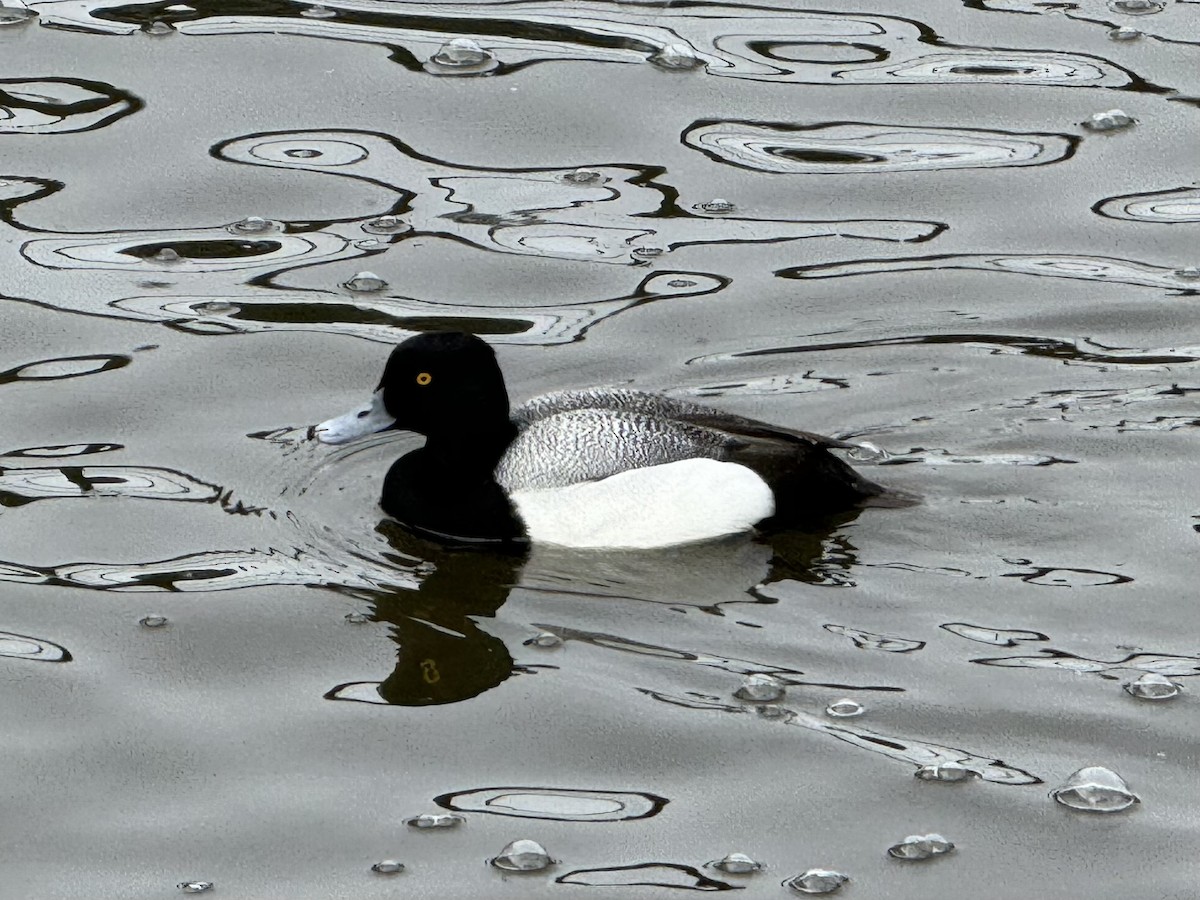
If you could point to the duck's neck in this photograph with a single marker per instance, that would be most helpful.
(471, 449)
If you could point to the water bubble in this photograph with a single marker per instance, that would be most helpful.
(1188, 273)
(845, 708)
(152, 621)
(317, 11)
(920, 846)
(544, 639)
(16, 15)
(760, 688)
(716, 205)
(585, 176)
(648, 252)
(384, 225)
(947, 772)
(676, 57)
(680, 283)
(1109, 120)
(865, 451)
(461, 55)
(816, 881)
(167, 255)
(1124, 33)
(357, 618)
(214, 308)
(522, 856)
(435, 820)
(302, 153)
(1135, 7)
(195, 887)
(158, 27)
(364, 282)
(252, 225)
(736, 864)
(388, 867)
(1152, 686)
(1095, 789)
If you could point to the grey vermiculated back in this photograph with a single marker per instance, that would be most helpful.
(563, 448)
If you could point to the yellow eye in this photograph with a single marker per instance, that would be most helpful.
(424, 378)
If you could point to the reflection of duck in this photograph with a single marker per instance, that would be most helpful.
(599, 468)
(444, 656)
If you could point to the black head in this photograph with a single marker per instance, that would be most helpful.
(445, 383)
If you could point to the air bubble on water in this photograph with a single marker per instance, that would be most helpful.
(1135, 7)
(760, 688)
(736, 864)
(523, 856)
(365, 282)
(648, 252)
(435, 820)
(152, 621)
(1124, 33)
(946, 772)
(167, 255)
(676, 57)
(369, 244)
(585, 176)
(385, 225)
(920, 846)
(865, 451)
(1188, 273)
(1109, 120)
(16, 15)
(544, 639)
(844, 708)
(158, 27)
(1152, 686)
(214, 308)
(252, 225)
(317, 11)
(357, 618)
(816, 881)
(388, 867)
(716, 205)
(195, 887)
(461, 55)
(1095, 789)
(680, 283)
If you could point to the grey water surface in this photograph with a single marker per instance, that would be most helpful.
(885, 222)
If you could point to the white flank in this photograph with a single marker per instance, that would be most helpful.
(657, 506)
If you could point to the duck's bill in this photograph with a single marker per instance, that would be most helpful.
(357, 423)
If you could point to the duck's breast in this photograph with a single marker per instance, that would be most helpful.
(643, 508)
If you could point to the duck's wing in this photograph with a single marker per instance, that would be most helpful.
(660, 406)
(585, 444)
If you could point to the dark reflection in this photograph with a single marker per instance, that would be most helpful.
(23, 646)
(351, 314)
(829, 53)
(668, 875)
(1166, 664)
(217, 249)
(444, 656)
(65, 367)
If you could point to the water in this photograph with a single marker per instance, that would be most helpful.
(928, 252)
(388, 867)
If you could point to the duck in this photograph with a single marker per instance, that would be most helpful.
(597, 468)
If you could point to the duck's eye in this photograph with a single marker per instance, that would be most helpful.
(424, 378)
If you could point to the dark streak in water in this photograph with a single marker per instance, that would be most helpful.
(22, 98)
(107, 362)
(666, 875)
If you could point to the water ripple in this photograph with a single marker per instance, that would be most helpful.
(835, 148)
(22, 646)
(1085, 268)
(665, 875)
(61, 105)
(558, 804)
(1173, 206)
(766, 44)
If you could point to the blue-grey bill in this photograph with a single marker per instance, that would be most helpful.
(357, 423)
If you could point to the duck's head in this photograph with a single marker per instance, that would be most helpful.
(437, 383)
